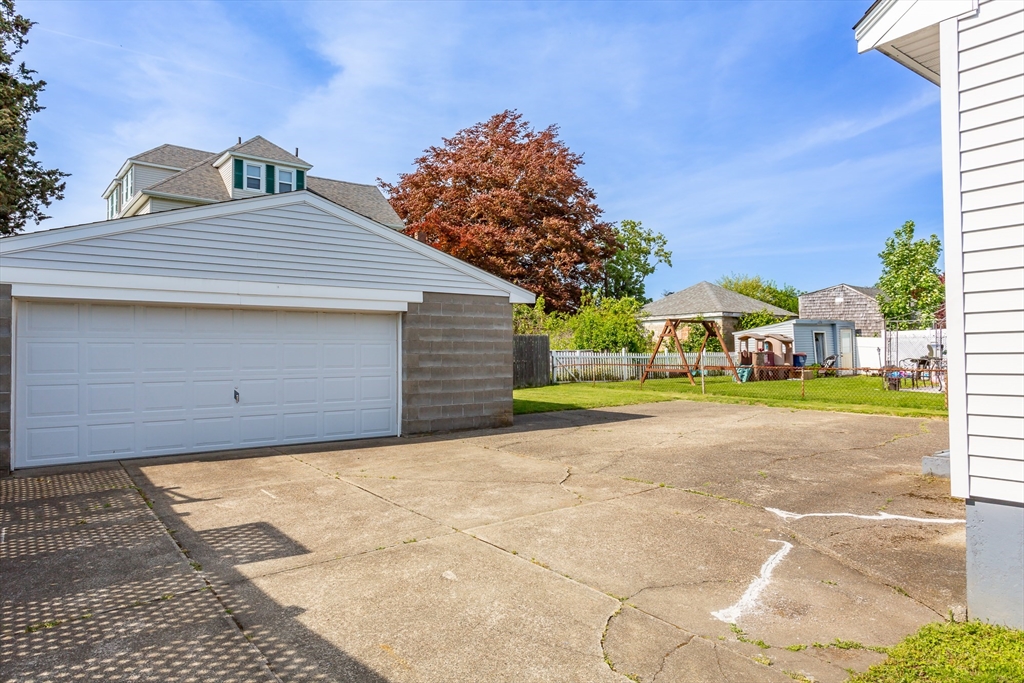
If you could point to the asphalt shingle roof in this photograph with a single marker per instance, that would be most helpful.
(261, 147)
(366, 200)
(201, 180)
(704, 298)
(173, 156)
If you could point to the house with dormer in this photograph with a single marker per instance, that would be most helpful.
(233, 300)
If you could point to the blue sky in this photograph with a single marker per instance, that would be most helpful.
(751, 134)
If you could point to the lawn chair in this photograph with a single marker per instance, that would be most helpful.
(828, 366)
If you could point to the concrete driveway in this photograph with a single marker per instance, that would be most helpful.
(657, 542)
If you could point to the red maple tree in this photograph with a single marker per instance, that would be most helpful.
(508, 199)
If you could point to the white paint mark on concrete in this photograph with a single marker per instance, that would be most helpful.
(749, 599)
(450, 575)
(880, 516)
(269, 493)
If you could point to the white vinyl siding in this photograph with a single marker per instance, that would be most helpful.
(292, 244)
(97, 381)
(159, 204)
(147, 176)
(991, 125)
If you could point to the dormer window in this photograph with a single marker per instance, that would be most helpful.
(114, 203)
(253, 176)
(127, 189)
(285, 181)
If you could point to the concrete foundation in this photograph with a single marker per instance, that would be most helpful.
(936, 465)
(995, 562)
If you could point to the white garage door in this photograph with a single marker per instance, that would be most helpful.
(97, 381)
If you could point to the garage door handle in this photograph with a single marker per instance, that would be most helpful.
(236, 395)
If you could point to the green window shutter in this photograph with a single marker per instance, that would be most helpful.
(239, 174)
(270, 179)
(300, 180)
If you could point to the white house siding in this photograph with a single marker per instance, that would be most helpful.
(991, 136)
(156, 204)
(291, 244)
(147, 176)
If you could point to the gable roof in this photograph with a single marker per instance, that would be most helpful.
(265, 149)
(366, 200)
(294, 239)
(172, 155)
(872, 292)
(705, 298)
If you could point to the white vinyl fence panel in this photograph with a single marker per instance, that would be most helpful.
(605, 366)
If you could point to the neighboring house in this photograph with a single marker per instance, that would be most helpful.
(819, 339)
(710, 302)
(845, 302)
(976, 51)
(242, 319)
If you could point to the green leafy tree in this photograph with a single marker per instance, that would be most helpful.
(786, 297)
(604, 324)
(640, 252)
(695, 337)
(25, 187)
(912, 287)
(757, 319)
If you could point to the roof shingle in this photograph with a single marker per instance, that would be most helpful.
(173, 156)
(366, 200)
(704, 298)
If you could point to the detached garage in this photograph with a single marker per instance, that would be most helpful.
(276, 319)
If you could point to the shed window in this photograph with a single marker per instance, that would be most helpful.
(284, 181)
(253, 177)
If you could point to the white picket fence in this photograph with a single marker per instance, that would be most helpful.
(602, 366)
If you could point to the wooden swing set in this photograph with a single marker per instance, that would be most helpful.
(671, 330)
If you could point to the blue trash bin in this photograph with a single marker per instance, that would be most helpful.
(799, 360)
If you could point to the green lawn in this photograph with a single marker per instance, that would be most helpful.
(849, 394)
(953, 653)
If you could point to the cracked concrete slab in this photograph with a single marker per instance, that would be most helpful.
(445, 609)
(654, 514)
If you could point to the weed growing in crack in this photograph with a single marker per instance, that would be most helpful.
(901, 591)
(796, 648)
(829, 582)
(167, 596)
(411, 540)
(797, 676)
(195, 565)
(741, 636)
(537, 562)
(39, 627)
(846, 644)
(761, 659)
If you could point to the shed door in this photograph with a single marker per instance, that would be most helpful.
(99, 382)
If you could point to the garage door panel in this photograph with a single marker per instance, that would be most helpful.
(262, 323)
(299, 356)
(375, 420)
(48, 358)
(339, 424)
(257, 357)
(213, 356)
(215, 431)
(110, 439)
(51, 317)
(375, 388)
(299, 426)
(51, 400)
(374, 356)
(107, 357)
(105, 399)
(164, 435)
(99, 381)
(111, 319)
(339, 389)
(163, 357)
(257, 392)
(218, 321)
(52, 444)
(258, 428)
(339, 356)
(164, 321)
(298, 391)
(218, 393)
(164, 396)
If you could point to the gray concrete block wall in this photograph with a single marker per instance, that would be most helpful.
(456, 363)
(6, 373)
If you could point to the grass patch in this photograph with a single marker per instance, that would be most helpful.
(848, 394)
(953, 653)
